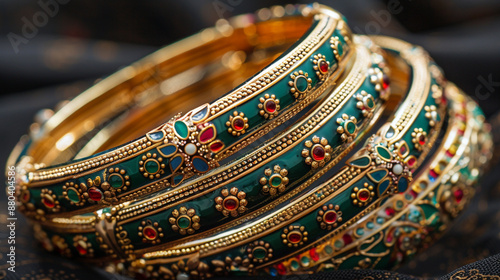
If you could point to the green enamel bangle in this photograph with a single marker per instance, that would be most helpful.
(379, 170)
(218, 204)
(409, 222)
(194, 143)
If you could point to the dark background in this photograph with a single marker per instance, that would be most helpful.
(82, 41)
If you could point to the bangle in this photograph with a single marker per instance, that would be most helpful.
(409, 222)
(210, 205)
(194, 143)
(380, 169)
(210, 213)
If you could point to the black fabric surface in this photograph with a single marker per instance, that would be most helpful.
(86, 40)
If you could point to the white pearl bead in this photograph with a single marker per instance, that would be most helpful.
(397, 169)
(190, 149)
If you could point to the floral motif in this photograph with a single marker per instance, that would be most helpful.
(321, 66)
(237, 124)
(300, 84)
(259, 251)
(275, 180)
(269, 106)
(317, 152)
(329, 216)
(365, 103)
(185, 221)
(231, 202)
(347, 128)
(151, 166)
(361, 196)
(151, 232)
(294, 236)
(49, 200)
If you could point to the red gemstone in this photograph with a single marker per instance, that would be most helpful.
(48, 202)
(421, 140)
(433, 173)
(238, 124)
(389, 238)
(270, 106)
(411, 162)
(82, 250)
(364, 195)
(386, 82)
(230, 204)
(314, 255)
(323, 66)
(95, 194)
(459, 194)
(389, 211)
(330, 217)
(318, 153)
(281, 269)
(207, 135)
(402, 150)
(294, 237)
(347, 239)
(216, 146)
(149, 232)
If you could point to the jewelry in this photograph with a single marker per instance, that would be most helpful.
(194, 143)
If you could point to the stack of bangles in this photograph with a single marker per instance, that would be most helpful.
(342, 152)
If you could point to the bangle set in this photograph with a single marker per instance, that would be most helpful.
(271, 178)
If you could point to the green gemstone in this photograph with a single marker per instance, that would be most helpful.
(116, 181)
(399, 204)
(360, 231)
(369, 103)
(384, 153)
(305, 261)
(380, 220)
(181, 129)
(350, 127)
(338, 244)
(259, 253)
(301, 84)
(73, 195)
(151, 166)
(383, 186)
(378, 175)
(361, 162)
(370, 225)
(294, 265)
(328, 249)
(276, 181)
(184, 222)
